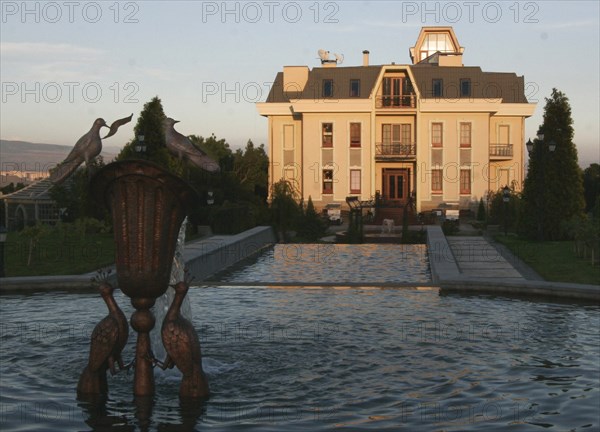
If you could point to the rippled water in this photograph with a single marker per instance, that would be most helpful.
(319, 359)
(334, 263)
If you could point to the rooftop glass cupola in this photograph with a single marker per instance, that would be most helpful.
(437, 40)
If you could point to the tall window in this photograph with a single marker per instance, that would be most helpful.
(465, 181)
(465, 134)
(386, 133)
(327, 181)
(436, 180)
(328, 88)
(437, 87)
(392, 89)
(504, 134)
(406, 134)
(354, 88)
(397, 92)
(354, 181)
(288, 137)
(396, 133)
(436, 134)
(354, 134)
(465, 87)
(327, 135)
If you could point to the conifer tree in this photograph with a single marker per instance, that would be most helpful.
(149, 125)
(553, 189)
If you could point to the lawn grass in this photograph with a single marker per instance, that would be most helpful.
(553, 260)
(58, 253)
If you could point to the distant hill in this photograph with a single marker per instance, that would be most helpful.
(27, 156)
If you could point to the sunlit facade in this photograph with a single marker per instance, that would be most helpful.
(434, 129)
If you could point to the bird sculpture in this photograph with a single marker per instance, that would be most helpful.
(116, 125)
(86, 149)
(183, 348)
(181, 147)
(108, 340)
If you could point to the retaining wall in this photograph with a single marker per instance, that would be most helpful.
(216, 253)
(203, 258)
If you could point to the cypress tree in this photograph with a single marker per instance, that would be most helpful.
(149, 124)
(553, 189)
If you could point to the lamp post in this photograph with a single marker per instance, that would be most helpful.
(538, 151)
(3, 232)
(140, 147)
(506, 199)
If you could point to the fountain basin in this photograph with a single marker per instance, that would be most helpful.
(320, 358)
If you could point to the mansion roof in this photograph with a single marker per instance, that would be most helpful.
(508, 87)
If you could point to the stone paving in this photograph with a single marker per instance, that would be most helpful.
(472, 263)
(476, 257)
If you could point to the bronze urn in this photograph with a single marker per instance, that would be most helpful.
(148, 206)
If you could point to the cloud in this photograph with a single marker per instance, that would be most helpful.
(36, 51)
(41, 61)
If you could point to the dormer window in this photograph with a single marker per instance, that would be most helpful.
(354, 88)
(437, 87)
(327, 88)
(465, 87)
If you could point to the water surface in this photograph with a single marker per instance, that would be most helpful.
(319, 359)
(335, 264)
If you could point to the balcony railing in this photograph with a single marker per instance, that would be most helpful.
(501, 150)
(404, 101)
(393, 150)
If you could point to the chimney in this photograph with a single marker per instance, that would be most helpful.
(294, 78)
(365, 58)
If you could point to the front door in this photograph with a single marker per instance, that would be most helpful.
(396, 185)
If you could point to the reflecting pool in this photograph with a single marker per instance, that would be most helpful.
(336, 263)
(319, 358)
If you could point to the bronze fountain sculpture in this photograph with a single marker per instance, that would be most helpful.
(108, 340)
(148, 205)
(183, 348)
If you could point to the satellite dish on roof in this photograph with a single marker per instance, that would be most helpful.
(323, 55)
(339, 58)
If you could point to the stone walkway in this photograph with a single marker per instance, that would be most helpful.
(475, 264)
(476, 257)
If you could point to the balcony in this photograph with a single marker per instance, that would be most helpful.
(392, 151)
(501, 151)
(396, 101)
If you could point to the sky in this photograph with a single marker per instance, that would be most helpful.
(65, 63)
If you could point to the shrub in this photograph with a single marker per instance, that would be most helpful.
(89, 225)
(310, 226)
(498, 214)
(34, 233)
(285, 211)
(481, 211)
(450, 227)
